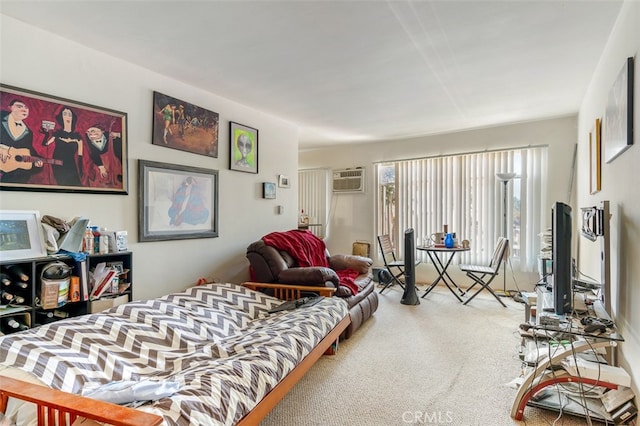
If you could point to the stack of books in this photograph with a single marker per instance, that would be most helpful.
(105, 279)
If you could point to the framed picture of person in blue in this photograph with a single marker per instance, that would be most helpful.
(176, 202)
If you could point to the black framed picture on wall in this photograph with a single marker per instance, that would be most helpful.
(269, 190)
(48, 143)
(176, 202)
(184, 126)
(243, 146)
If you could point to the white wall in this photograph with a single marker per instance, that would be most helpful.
(352, 215)
(620, 185)
(40, 61)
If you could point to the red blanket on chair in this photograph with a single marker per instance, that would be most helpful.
(309, 250)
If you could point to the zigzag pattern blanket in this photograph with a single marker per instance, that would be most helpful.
(216, 340)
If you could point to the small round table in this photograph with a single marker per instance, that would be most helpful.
(441, 267)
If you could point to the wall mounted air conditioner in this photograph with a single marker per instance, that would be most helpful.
(348, 180)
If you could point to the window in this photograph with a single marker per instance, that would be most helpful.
(313, 198)
(462, 191)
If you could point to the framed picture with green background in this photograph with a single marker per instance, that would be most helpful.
(243, 148)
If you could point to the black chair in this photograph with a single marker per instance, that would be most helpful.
(482, 275)
(394, 268)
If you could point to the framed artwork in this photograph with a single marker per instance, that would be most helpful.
(283, 181)
(55, 144)
(176, 202)
(243, 146)
(268, 190)
(184, 126)
(21, 235)
(617, 129)
(594, 158)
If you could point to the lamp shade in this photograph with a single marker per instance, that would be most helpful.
(505, 176)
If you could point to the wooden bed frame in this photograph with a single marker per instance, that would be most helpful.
(64, 408)
(289, 292)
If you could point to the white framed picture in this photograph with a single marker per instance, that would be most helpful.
(283, 181)
(21, 235)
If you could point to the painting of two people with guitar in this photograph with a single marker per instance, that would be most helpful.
(54, 144)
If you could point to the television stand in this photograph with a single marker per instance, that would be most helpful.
(539, 379)
(571, 337)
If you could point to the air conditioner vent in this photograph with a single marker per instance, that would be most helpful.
(348, 180)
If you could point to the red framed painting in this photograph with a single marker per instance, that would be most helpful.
(49, 143)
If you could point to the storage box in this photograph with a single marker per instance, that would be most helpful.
(118, 241)
(107, 302)
(54, 293)
(361, 248)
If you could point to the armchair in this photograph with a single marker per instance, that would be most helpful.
(305, 262)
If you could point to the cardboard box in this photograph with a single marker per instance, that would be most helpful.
(107, 302)
(118, 241)
(54, 293)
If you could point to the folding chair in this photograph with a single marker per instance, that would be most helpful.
(482, 275)
(394, 266)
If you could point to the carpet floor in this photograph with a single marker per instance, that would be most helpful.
(435, 363)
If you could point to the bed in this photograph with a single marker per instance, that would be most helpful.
(232, 360)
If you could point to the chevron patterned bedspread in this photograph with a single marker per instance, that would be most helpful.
(217, 341)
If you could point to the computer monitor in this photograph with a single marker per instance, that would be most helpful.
(562, 260)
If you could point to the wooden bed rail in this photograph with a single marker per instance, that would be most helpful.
(55, 407)
(289, 292)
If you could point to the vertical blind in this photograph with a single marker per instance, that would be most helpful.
(313, 198)
(463, 192)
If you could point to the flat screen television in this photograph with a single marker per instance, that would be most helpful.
(562, 260)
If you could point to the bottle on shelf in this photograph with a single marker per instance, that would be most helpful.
(104, 241)
(5, 279)
(44, 317)
(6, 297)
(304, 218)
(88, 241)
(96, 239)
(17, 300)
(21, 284)
(15, 325)
(17, 272)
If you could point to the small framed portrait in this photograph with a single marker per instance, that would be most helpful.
(268, 190)
(243, 148)
(283, 181)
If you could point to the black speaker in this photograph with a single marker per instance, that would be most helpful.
(410, 297)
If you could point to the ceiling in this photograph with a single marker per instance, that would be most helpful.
(356, 71)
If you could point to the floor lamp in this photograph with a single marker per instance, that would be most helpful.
(505, 178)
